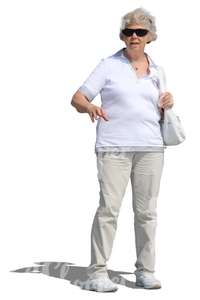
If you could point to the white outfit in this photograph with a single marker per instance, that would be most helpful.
(128, 146)
(131, 104)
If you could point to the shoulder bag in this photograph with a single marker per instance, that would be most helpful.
(171, 127)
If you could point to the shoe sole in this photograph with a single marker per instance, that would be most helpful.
(95, 289)
(156, 286)
(100, 291)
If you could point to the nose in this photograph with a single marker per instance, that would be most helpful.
(134, 34)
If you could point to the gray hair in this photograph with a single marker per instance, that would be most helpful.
(139, 16)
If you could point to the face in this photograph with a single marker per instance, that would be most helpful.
(134, 41)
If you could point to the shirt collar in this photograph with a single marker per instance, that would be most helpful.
(120, 54)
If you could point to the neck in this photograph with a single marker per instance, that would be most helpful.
(134, 55)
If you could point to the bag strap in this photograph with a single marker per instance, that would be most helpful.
(162, 80)
(162, 87)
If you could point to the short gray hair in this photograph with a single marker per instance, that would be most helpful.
(139, 16)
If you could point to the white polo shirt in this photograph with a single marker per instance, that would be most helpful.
(131, 104)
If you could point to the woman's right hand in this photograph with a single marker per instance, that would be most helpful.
(95, 111)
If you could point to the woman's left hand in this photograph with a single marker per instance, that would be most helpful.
(166, 100)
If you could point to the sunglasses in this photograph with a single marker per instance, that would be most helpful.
(138, 31)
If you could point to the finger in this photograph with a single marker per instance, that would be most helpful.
(99, 112)
(168, 105)
(166, 101)
(92, 116)
(163, 95)
(167, 93)
(164, 98)
(104, 115)
(105, 118)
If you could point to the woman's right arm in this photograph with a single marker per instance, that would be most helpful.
(82, 105)
(91, 87)
(80, 102)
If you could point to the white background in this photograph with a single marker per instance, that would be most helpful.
(49, 187)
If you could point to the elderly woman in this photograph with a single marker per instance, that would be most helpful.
(129, 144)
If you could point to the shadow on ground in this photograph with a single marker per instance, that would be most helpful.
(76, 275)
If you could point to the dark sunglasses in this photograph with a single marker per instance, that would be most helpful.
(138, 31)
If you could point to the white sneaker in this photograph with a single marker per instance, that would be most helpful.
(147, 280)
(101, 284)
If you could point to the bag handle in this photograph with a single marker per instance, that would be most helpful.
(162, 80)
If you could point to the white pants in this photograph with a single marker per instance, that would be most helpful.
(114, 170)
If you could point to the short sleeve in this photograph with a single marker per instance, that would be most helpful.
(95, 81)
